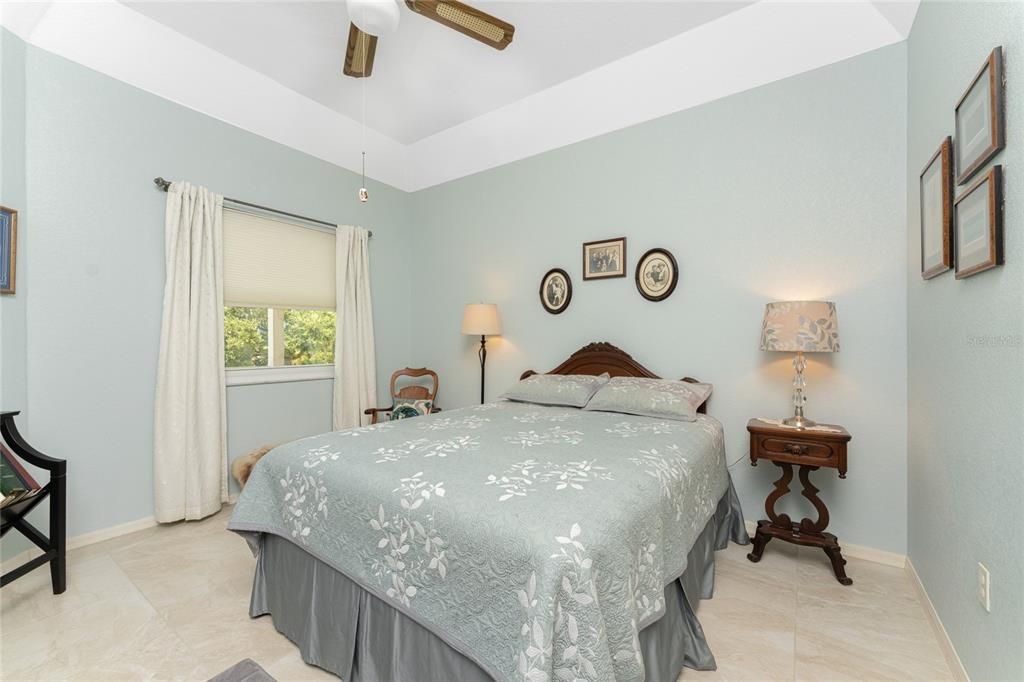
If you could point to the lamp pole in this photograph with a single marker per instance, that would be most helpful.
(482, 353)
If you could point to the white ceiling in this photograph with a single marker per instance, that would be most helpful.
(427, 77)
(440, 105)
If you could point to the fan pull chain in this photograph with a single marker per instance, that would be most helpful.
(364, 195)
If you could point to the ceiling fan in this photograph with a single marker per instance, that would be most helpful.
(374, 18)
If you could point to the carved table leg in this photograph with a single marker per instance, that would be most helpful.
(811, 493)
(815, 529)
(759, 542)
(808, 532)
(780, 521)
(781, 490)
(834, 553)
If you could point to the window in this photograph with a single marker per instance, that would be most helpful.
(279, 289)
(271, 337)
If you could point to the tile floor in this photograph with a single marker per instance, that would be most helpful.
(172, 603)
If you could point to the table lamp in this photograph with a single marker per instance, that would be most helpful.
(481, 319)
(803, 327)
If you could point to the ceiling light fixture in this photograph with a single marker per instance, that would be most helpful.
(364, 195)
(376, 17)
(372, 18)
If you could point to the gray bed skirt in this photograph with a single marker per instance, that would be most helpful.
(342, 628)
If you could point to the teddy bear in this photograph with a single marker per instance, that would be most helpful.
(242, 466)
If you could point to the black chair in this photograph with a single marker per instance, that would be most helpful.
(13, 516)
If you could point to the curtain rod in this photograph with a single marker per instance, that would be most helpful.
(164, 185)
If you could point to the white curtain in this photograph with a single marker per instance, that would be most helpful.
(355, 365)
(190, 448)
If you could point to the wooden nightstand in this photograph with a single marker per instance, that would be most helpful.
(810, 449)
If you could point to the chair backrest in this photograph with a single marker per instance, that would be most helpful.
(414, 391)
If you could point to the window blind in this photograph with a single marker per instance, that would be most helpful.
(275, 264)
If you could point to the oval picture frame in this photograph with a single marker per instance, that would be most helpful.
(657, 274)
(555, 291)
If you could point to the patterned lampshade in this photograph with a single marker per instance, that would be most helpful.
(808, 326)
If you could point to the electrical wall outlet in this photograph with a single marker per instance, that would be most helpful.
(984, 588)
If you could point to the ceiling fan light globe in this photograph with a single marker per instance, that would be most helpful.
(376, 17)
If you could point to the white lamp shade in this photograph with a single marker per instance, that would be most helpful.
(807, 326)
(481, 319)
(376, 17)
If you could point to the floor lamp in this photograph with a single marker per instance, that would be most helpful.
(481, 319)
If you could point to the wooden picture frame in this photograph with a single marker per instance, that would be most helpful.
(657, 274)
(979, 118)
(8, 249)
(605, 259)
(979, 225)
(935, 188)
(555, 291)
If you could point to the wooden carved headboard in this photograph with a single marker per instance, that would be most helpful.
(600, 357)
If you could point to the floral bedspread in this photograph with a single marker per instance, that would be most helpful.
(536, 540)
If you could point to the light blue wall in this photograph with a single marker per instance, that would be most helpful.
(95, 273)
(270, 414)
(13, 194)
(966, 358)
(792, 190)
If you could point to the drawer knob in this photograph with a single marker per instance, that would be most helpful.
(795, 448)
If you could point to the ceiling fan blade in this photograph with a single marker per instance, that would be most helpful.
(466, 20)
(359, 53)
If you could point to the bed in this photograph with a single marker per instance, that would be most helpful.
(505, 541)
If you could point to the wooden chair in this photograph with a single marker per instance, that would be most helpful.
(13, 515)
(412, 391)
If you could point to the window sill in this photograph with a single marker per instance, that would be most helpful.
(248, 376)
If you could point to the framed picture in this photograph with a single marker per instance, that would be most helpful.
(978, 216)
(605, 259)
(980, 124)
(555, 291)
(8, 248)
(936, 187)
(656, 275)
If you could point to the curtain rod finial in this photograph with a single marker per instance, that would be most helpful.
(161, 183)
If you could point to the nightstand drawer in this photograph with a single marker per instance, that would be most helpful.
(803, 450)
(818, 448)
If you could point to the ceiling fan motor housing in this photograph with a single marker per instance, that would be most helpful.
(376, 17)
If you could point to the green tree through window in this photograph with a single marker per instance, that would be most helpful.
(254, 337)
(245, 337)
(309, 337)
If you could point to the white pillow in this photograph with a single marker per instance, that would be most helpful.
(570, 390)
(661, 398)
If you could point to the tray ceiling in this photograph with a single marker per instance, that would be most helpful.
(427, 77)
(439, 105)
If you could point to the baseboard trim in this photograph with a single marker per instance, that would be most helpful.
(878, 556)
(92, 538)
(84, 539)
(956, 666)
(110, 533)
